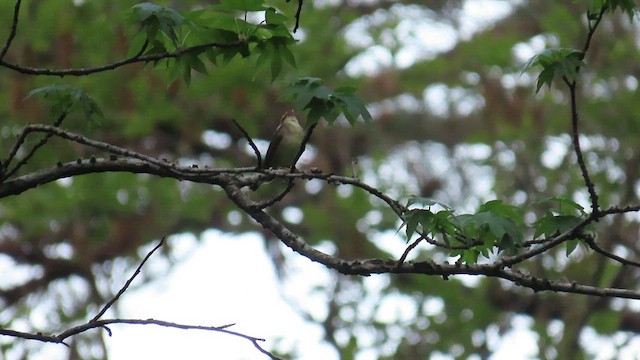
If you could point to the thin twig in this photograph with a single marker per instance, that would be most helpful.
(59, 339)
(126, 284)
(270, 202)
(592, 244)
(592, 30)
(534, 242)
(574, 115)
(398, 208)
(14, 29)
(251, 143)
(134, 59)
(553, 242)
(222, 329)
(94, 143)
(576, 146)
(19, 143)
(617, 210)
(142, 49)
(408, 250)
(298, 12)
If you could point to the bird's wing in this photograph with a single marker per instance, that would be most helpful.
(271, 152)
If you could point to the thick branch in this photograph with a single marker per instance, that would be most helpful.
(22, 138)
(233, 180)
(81, 167)
(379, 266)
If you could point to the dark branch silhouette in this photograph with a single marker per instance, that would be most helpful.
(14, 30)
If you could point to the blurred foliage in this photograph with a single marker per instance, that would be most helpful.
(459, 124)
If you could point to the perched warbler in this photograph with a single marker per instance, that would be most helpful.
(285, 143)
(283, 150)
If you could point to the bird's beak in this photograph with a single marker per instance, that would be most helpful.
(288, 113)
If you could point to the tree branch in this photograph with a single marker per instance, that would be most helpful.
(592, 244)
(232, 181)
(14, 29)
(54, 130)
(96, 323)
(576, 146)
(411, 246)
(138, 58)
(592, 29)
(251, 143)
(379, 266)
(298, 12)
(8, 173)
(59, 339)
(574, 113)
(128, 282)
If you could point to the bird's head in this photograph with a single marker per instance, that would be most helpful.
(289, 118)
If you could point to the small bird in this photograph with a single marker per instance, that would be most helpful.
(285, 143)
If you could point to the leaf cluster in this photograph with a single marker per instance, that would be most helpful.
(64, 98)
(627, 6)
(567, 215)
(495, 227)
(558, 63)
(216, 34)
(311, 94)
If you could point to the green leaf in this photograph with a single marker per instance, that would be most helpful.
(273, 52)
(273, 17)
(556, 63)
(136, 44)
(184, 68)
(288, 56)
(467, 226)
(545, 78)
(565, 206)
(353, 108)
(425, 202)
(596, 6)
(154, 18)
(276, 65)
(216, 21)
(551, 225)
(428, 223)
(498, 207)
(470, 256)
(241, 5)
(196, 64)
(64, 98)
(322, 101)
(628, 6)
(571, 245)
(492, 228)
(411, 221)
(443, 225)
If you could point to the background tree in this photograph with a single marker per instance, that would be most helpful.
(456, 126)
